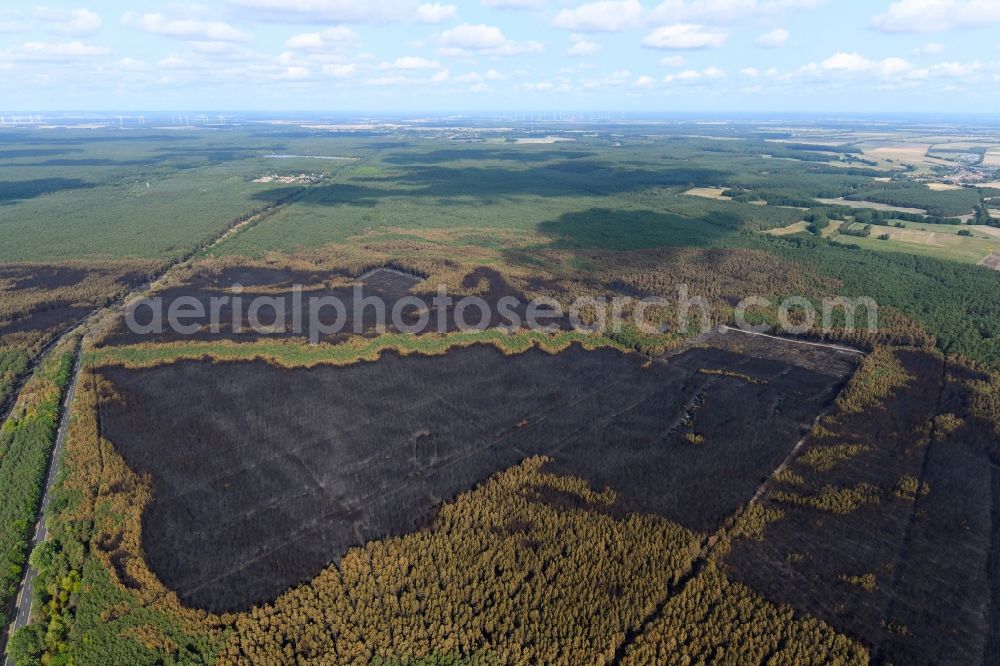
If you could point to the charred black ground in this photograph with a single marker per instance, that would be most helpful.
(929, 554)
(71, 295)
(262, 476)
(388, 285)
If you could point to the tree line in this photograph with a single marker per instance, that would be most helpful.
(26, 440)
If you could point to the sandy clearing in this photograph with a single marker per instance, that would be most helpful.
(832, 230)
(708, 193)
(868, 204)
(916, 236)
(992, 261)
(798, 227)
(943, 187)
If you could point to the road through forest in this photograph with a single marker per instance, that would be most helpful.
(25, 589)
(26, 593)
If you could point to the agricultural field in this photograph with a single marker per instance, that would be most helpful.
(871, 205)
(428, 493)
(944, 244)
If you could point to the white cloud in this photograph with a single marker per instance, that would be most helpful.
(604, 16)
(471, 77)
(412, 63)
(937, 15)
(174, 61)
(645, 82)
(295, 73)
(337, 37)
(853, 64)
(582, 47)
(340, 70)
(226, 50)
(896, 73)
(684, 36)
(467, 39)
(345, 11)
(327, 11)
(46, 51)
(617, 78)
(78, 22)
(540, 86)
(846, 62)
(8, 25)
(189, 29)
(693, 75)
(948, 70)
(514, 4)
(132, 65)
(436, 13)
(687, 75)
(673, 61)
(774, 38)
(750, 72)
(725, 12)
(930, 48)
(891, 67)
(388, 81)
(441, 77)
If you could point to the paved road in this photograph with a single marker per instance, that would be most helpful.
(8, 406)
(26, 594)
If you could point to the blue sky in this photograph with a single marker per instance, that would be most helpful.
(409, 55)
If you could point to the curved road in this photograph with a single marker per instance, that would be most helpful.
(26, 593)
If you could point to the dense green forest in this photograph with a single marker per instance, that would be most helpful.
(26, 440)
(956, 303)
